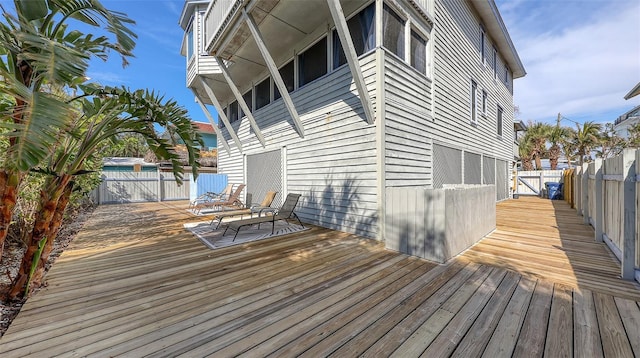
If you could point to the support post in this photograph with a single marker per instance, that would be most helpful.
(243, 105)
(577, 184)
(273, 70)
(585, 193)
(219, 135)
(629, 222)
(598, 216)
(221, 115)
(541, 186)
(352, 57)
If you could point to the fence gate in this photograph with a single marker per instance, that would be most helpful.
(264, 173)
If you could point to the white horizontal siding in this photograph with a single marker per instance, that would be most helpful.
(334, 166)
(407, 133)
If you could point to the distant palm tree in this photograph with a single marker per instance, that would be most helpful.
(586, 139)
(526, 152)
(539, 132)
(610, 143)
(634, 136)
(568, 145)
(556, 136)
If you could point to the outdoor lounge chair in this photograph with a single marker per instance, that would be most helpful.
(212, 196)
(232, 201)
(284, 213)
(264, 205)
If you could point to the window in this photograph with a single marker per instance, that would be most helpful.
(500, 121)
(484, 102)
(418, 52)
(506, 74)
(363, 34)
(286, 72)
(312, 63)
(233, 112)
(220, 123)
(483, 57)
(474, 90)
(393, 35)
(495, 63)
(263, 93)
(248, 99)
(190, 41)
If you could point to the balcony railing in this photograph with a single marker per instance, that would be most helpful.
(217, 17)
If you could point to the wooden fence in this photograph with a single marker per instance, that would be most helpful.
(145, 186)
(607, 194)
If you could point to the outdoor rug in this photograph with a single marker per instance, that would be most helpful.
(215, 240)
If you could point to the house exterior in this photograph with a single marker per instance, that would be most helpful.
(343, 100)
(623, 123)
(208, 135)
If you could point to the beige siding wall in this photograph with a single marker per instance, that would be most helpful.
(334, 166)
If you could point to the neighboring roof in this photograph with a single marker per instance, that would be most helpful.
(634, 92)
(633, 113)
(494, 25)
(125, 161)
(204, 127)
(519, 126)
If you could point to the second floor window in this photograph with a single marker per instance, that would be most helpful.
(287, 74)
(248, 99)
(474, 102)
(393, 34)
(233, 112)
(263, 93)
(190, 44)
(418, 52)
(312, 63)
(362, 28)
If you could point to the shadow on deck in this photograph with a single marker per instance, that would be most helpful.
(136, 283)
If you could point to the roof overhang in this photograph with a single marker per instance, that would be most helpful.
(634, 92)
(187, 11)
(494, 25)
(519, 126)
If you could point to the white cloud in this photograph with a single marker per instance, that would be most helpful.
(576, 67)
(108, 78)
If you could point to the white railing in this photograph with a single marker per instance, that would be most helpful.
(215, 17)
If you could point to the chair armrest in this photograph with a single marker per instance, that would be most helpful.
(265, 210)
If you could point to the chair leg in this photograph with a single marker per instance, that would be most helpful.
(236, 235)
(225, 231)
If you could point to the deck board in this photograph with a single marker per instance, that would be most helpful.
(135, 283)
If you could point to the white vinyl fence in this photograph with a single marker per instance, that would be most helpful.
(532, 182)
(145, 186)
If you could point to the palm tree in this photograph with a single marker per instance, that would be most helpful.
(539, 133)
(112, 112)
(526, 152)
(569, 146)
(586, 139)
(40, 51)
(610, 143)
(634, 136)
(556, 136)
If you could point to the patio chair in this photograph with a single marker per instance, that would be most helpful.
(284, 213)
(212, 196)
(232, 201)
(264, 205)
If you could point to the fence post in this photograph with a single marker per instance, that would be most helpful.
(585, 193)
(541, 186)
(577, 181)
(629, 223)
(598, 216)
(159, 184)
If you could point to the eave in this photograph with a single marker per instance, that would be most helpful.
(496, 28)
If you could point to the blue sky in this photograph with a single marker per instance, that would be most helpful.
(581, 57)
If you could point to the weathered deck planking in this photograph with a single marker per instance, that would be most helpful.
(135, 283)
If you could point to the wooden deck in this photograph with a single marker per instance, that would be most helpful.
(135, 283)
